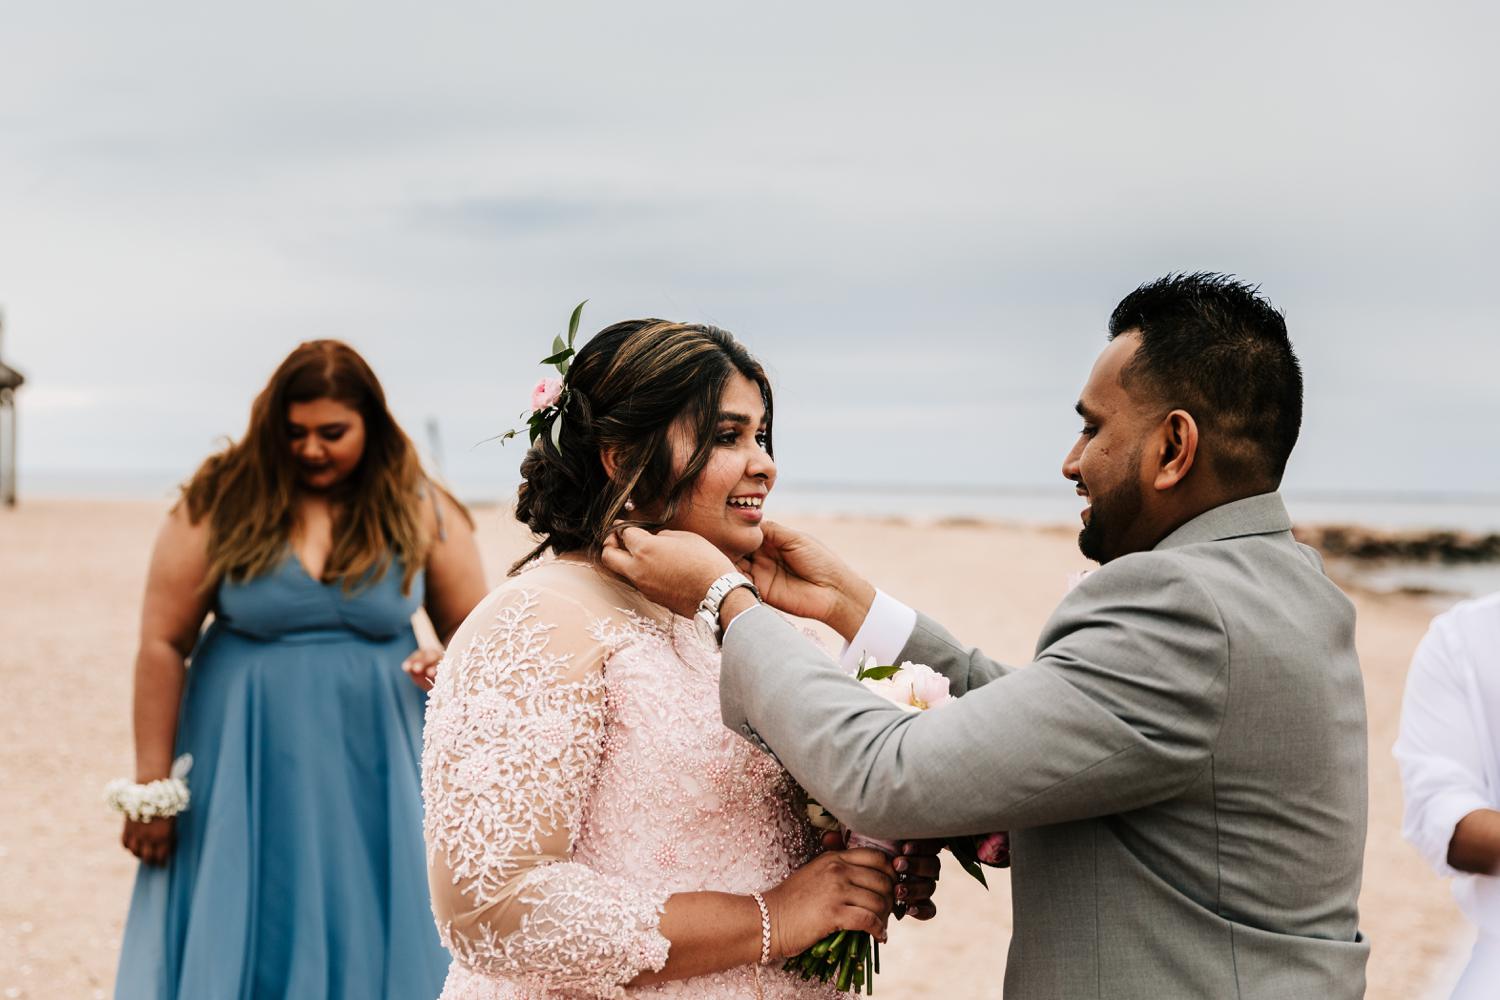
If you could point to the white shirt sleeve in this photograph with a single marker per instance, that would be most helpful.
(883, 634)
(1440, 753)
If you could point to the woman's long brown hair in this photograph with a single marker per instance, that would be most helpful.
(248, 491)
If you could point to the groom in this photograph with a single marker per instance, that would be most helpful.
(1182, 767)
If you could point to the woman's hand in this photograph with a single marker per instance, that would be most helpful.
(672, 568)
(837, 890)
(917, 868)
(151, 841)
(421, 666)
(803, 577)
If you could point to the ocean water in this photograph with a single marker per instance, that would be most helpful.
(1444, 583)
(1043, 504)
(1039, 505)
(1059, 505)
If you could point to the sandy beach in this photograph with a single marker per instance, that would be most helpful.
(71, 574)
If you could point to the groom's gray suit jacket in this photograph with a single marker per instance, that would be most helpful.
(1182, 767)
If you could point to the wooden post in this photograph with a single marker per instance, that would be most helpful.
(8, 446)
(435, 446)
(7, 432)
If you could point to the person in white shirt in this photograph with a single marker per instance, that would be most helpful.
(1450, 771)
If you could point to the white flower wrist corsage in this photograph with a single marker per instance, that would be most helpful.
(153, 799)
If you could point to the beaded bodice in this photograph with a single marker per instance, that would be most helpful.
(576, 774)
(681, 801)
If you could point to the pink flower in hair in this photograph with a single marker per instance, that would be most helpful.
(545, 394)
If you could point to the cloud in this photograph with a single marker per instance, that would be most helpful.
(507, 217)
(49, 399)
(889, 205)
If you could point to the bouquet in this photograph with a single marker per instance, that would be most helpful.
(852, 958)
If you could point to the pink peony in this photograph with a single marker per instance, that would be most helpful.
(545, 394)
(915, 687)
(893, 691)
(994, 849)
(929, 689)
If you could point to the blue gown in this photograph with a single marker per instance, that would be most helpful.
(299, 869)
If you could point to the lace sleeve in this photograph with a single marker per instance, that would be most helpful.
(515, 728)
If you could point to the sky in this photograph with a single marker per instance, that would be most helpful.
(919, 217)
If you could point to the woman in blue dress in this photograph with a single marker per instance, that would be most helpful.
(298, 868)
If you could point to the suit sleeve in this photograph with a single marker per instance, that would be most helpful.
(1120, 709)
(966, 667)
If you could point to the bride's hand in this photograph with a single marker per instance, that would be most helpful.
(837, 890)
(918, 861)
(801, 576)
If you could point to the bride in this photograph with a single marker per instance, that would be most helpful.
(592, 829)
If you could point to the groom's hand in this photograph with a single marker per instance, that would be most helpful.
(672, 568)
(917, 872)
(803, 577)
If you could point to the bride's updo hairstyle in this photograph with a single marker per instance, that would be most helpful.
(624, 390)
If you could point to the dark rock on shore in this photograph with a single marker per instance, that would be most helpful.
(1352, 542)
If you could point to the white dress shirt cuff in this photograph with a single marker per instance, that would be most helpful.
(883, 634)
(1438, 820)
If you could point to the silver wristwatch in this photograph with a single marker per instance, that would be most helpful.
(707, 618)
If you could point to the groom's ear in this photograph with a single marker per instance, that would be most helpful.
(1179, 448)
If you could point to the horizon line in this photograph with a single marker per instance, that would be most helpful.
(826, 486)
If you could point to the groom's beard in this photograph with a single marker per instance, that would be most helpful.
(1110, 518)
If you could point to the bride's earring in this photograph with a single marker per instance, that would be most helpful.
(629, 505)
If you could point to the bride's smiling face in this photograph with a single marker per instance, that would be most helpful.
(724, 505)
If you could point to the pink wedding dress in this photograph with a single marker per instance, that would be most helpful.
(575, 774)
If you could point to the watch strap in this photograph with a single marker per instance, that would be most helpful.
(708, 608)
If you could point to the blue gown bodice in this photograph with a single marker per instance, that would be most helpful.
(287, 603)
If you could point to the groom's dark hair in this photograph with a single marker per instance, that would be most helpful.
(1213, 346)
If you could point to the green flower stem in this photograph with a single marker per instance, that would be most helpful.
(847, 959)
(846, 974)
